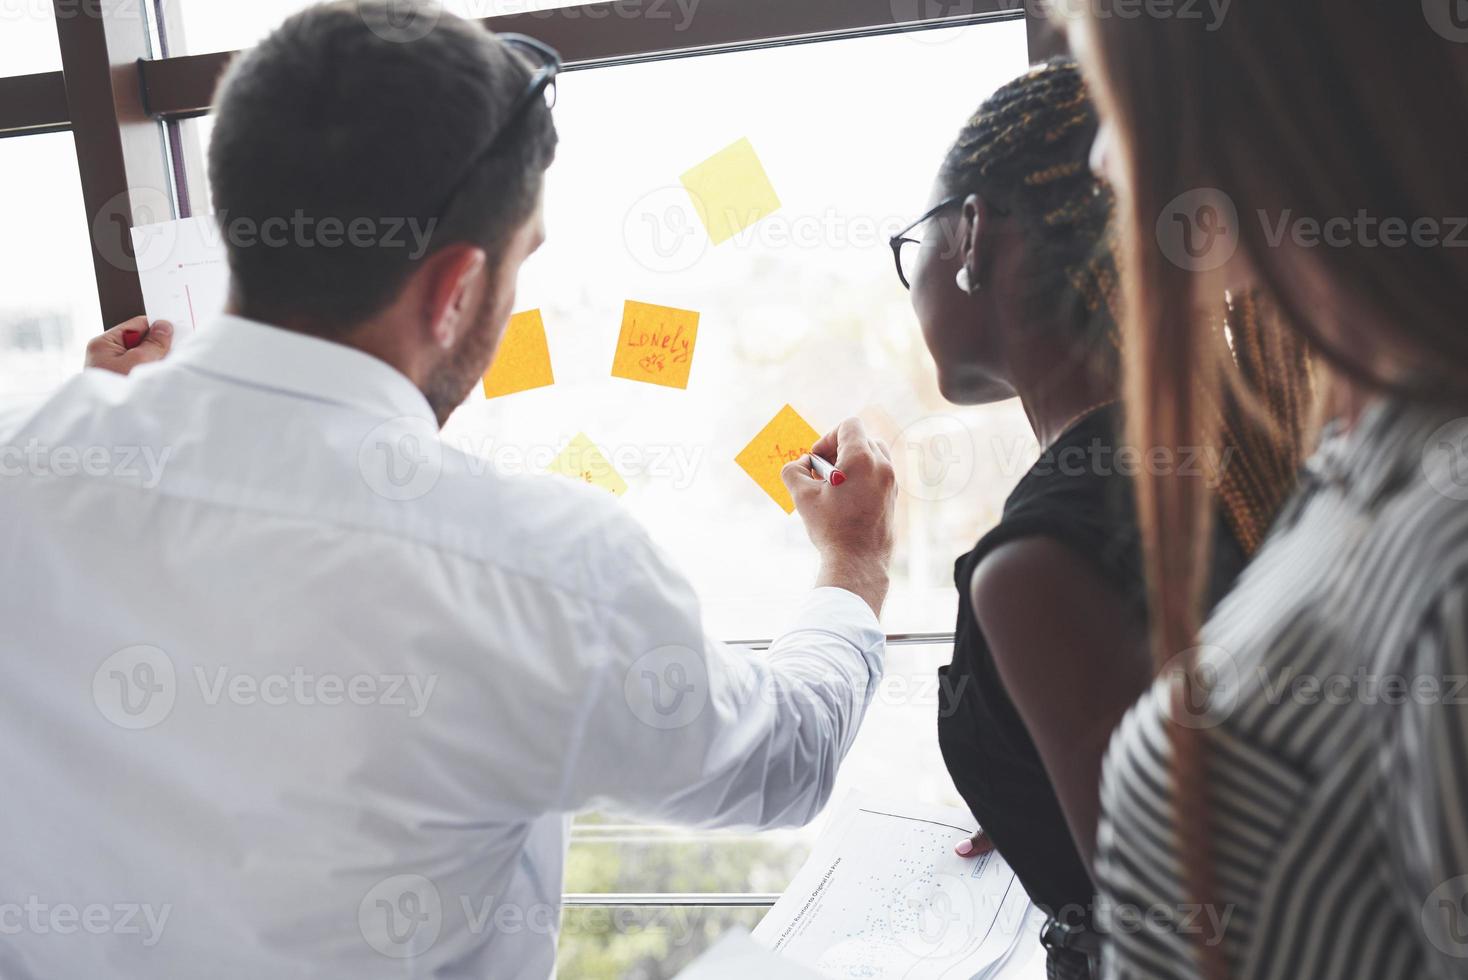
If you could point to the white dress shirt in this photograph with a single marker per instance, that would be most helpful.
(294, 690)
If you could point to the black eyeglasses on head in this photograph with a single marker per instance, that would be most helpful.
(546, 64)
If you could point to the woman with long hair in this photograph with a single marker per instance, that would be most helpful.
(1015, 284)
(1292, 799)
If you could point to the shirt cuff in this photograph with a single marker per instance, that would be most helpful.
(843, 614)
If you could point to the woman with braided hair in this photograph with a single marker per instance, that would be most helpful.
(1015, 284)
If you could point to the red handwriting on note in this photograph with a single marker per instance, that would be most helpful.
(656, 344)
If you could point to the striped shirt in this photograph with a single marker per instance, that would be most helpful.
(1337, 737)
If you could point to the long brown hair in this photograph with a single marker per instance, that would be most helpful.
(1288, 111)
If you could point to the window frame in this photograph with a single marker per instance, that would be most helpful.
(123, 97)
(122, 94)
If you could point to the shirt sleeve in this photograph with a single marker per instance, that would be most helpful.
(1425, 772)
(677, 726)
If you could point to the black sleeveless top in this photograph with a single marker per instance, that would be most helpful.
(1073, 495)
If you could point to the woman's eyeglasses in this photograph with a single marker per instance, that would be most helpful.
(547, 64)
(905, 249)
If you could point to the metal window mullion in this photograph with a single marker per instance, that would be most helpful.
(120, 152)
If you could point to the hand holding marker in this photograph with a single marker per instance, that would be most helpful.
(825, 470)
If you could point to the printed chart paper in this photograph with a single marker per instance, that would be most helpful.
(884, 897)
(184, 272)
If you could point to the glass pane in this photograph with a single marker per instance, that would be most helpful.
(48, 303)
(28, 37)
(803, 308)
(642, 942)
(896, 755)
(209, 25)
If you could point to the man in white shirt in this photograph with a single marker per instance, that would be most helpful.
(293, 689)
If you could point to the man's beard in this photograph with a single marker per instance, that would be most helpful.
(463, 365)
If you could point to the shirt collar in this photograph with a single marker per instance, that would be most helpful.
(1382, 451)
(303, 366)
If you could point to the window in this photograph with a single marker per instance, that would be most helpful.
(209, 25)
(28, 41)
(48, 309)
(803, 308)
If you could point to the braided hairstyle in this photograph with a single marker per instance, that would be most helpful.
(1027, 151)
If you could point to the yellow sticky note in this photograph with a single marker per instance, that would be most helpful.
(656, 344)
(787, 438)
(523, 359)
(581, 460)
(731, 191)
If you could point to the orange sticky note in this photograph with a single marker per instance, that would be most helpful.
(731, 191)
(787, 438)
(523, 359)
(581, 460)
(656, 344)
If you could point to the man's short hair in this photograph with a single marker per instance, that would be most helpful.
(337, 138)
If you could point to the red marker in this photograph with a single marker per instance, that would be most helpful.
(826, 471)
(131, 339)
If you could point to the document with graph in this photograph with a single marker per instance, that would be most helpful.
(883, 896)
(184, 272)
